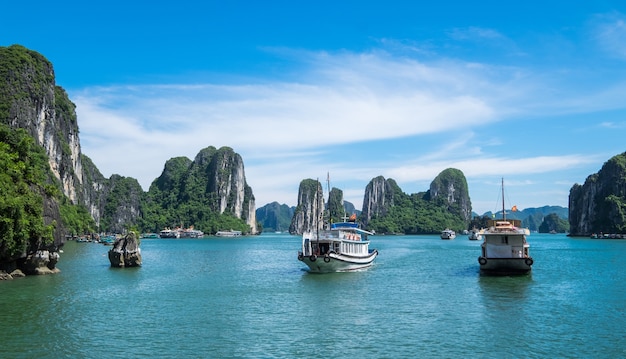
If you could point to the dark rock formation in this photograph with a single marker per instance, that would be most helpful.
(309, 213)
(599, 205)
(126, 251)
(41, 262)
(450, 188)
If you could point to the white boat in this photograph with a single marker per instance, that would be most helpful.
(230, 233)
(343, 247)
(504, 248)
(475, 235)
(448, 234)
(169, 233)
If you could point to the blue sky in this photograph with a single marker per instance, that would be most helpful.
(532, 92)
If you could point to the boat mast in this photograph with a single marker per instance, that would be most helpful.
(503, 211)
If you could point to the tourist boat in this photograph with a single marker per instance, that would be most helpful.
(191, 233)
(343, 247)
(169, 233)
(230, 233)
(475, 235)
(448, 234)
(504, 248)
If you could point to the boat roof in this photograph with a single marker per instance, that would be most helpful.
(352, 226)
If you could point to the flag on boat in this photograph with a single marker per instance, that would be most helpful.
(514, 209)
(353, 217)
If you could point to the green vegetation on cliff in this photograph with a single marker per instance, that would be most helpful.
(23, 173)
(189, 193)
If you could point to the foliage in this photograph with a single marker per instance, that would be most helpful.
(23, 167)
(552, 222)
(23, 74)
(76, 219)
(335, 208)
(415, 215)
(188, 193)
(274, 217)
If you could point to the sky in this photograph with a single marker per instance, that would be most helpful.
(529, 92)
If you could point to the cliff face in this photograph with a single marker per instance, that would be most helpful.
(30, 99)
(378, 198)
(214, 179)
(599, 205)
(309, 213)
(450, 187)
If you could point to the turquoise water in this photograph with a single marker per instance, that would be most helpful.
(250, 297)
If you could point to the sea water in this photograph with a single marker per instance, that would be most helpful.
(250, 297)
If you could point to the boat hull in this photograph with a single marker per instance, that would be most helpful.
(333, 262)
(505, 266)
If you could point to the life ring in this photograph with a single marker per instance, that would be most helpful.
(529, 261)
(482, 261)
(313, 257)
(326, 258)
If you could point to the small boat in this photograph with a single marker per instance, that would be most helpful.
(343, 247)
(230, 233)
(448, 234)
(475, 235)
(505, 250)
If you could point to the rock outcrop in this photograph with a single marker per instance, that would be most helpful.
(378, 198)
(30, 99)
(599, 205)
(309, 213)
(126, 252)
(215, 178)
(41, 262)
(275, 216)
(450, 187)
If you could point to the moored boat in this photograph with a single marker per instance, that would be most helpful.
(475, 235)
(169, 233)
(504, 249)
(448, 234)
(230, 233)
(343, 247)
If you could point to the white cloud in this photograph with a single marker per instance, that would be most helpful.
(284, 130)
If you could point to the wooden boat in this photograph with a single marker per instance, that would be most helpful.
(505, 249)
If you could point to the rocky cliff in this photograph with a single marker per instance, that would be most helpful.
(309, 213)
(450, 188)
(378, 198)
(387, 209)
(215, 180)
(30, 99)
(599, 205)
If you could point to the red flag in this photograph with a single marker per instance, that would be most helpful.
(514, 209)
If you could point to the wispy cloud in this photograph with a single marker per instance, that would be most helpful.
(609, 30)
(289, 130)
